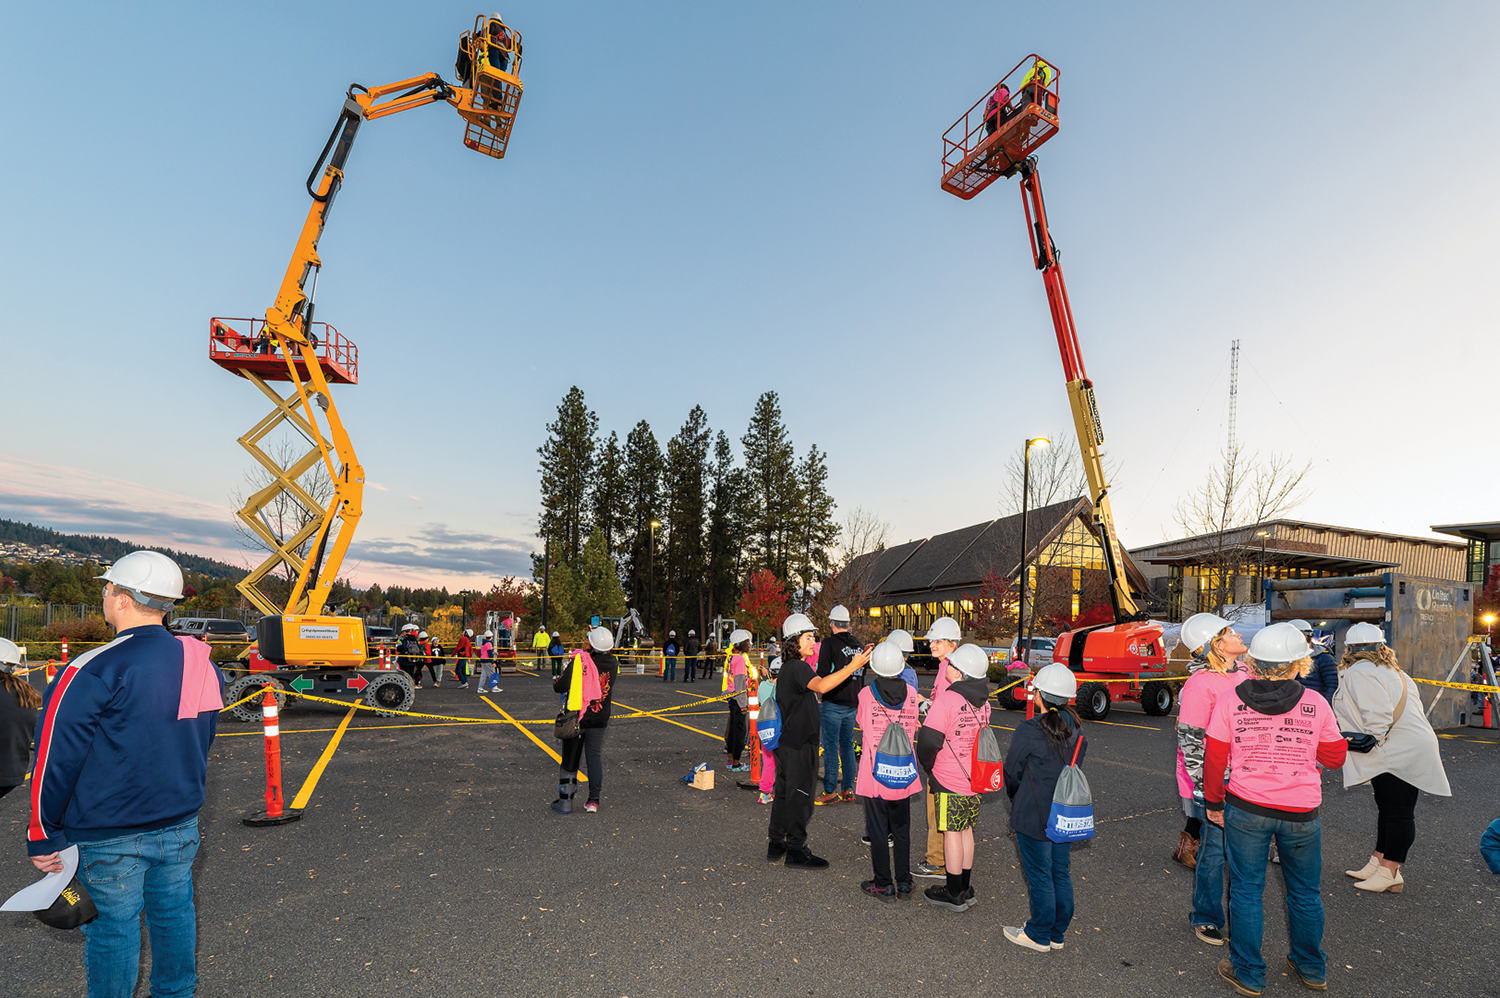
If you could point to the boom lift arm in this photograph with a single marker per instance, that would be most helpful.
(1081, 399)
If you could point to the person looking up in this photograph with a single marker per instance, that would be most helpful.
(836, 712)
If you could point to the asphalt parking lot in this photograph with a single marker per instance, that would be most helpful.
(428, 863)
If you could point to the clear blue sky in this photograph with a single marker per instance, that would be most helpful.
(705, 201)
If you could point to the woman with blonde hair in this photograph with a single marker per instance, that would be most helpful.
(1213, 671)
(1393, 748)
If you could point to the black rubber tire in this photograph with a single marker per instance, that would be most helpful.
(1093, 701)
(249, 711)
(1157, 699)
(392, 691)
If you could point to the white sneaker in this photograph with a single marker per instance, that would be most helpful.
(1020, 938)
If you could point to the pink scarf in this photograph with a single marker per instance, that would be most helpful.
(201, 687)
(591, 689)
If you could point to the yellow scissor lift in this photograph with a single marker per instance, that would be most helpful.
(298, 646)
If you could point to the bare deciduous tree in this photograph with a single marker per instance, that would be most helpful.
(284, 515)
(1226, 511)
(862, 532)
(1056, 475)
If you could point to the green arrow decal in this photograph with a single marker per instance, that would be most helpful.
(302, 684)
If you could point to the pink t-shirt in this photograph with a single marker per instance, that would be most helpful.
(1196, 706)
(873, 717)
(960, 723)
(942, 682)
(1273, 758)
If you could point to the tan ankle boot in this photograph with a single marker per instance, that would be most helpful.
(1365, 871)
(1186, 852)
(1382, 880)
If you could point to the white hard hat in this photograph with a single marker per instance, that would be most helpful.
(488, 634)
(469, 631)
(150, 577)
(556, 635)
(796, 624)
(1301, 625)
(738, 635)
(839, 615)
(601, 640)
(1279, 644)
(422, 634)
(886, 660)
(945, 629)
(1056, 680)
(901, 639)
(692, 634)
(10, 654)
(970, 660)
(1364, 634)
(1201, 628)
(671, 634)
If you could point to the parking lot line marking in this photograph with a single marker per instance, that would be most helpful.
(670, 721)
(311, 783)
(370, 727)
(540, 744)
(1122, 724)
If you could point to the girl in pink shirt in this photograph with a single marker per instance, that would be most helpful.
(886, 701)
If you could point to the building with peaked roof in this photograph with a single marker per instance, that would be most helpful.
(1183, 573)
(912, 584)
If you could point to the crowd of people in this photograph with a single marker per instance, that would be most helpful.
(1257, 726)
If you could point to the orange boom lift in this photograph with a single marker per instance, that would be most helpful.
(996, 138)
(310, 651)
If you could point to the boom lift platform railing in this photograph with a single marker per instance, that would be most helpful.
(288, 345)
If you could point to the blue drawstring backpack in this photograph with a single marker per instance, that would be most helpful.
(895, 762)
(1072, 815)
(768, 724)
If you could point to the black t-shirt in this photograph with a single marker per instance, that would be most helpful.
(838, 651)
(798, 705)
(17, 728)
(595, 714)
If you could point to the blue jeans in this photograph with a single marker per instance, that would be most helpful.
(838, 745)
(1050, 885)
(1208, 877)
(1489, 846)
(669, 674)
(153, 870)
(1248, 839)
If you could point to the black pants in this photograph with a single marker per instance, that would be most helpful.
(6, 790)
(796, 774)
(735, 732)
(889, 819)
(589, 747)
(411, 668)
(434, 666)
(1396, 828)
(689, 668)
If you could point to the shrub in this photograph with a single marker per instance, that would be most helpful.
(86, 629)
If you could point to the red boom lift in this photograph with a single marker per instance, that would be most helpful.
(997, 138)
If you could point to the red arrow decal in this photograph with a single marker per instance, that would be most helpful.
(357, 683)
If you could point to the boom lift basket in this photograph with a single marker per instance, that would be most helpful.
(239, 345)
(974, 156)
(489, 61)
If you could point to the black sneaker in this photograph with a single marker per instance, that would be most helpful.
(938, 894)
(775, 851)
(804, 859)
(886, 894)
(1209, 934)
(903, 890)
(969, 898)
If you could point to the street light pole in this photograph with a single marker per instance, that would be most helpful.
(1023, 631)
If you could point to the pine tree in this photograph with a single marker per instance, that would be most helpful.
(607, 491)
(567, 469)
(815, 531)
(687, 456)
(642, 501)
(599, 589)
(772, 486)
(726, 527)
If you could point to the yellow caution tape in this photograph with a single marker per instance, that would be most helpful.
(1475, 687)
(258, 693)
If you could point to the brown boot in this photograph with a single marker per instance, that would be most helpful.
(1186, 852)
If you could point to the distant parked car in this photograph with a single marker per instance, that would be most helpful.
(1041, 651)
(210, 629)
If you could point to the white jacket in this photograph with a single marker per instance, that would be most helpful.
(1365, 702)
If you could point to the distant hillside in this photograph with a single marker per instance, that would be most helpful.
(109, 549)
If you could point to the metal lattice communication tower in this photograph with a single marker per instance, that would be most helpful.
(1234, 393)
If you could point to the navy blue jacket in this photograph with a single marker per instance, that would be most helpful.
(112, 759)
(1324, 677)
(1031, 771)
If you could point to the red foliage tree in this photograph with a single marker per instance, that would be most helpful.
(1096, 614)
(762, 604)
(994, 607)
(1488, 601)
(508, 596)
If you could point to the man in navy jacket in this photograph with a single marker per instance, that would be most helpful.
(121, 768)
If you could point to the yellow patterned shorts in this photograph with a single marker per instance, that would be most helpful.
(956, 812)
